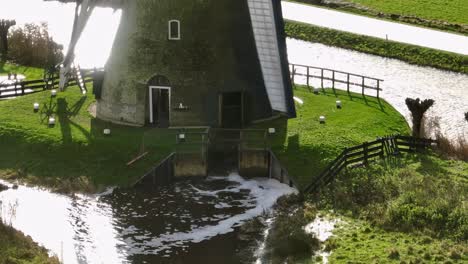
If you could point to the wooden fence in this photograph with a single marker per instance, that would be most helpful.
(20, 88)
(324, 74)
(364, 153)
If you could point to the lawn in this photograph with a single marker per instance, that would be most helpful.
(74, 154)
(31, 73)
(305, 147)
(453, 11)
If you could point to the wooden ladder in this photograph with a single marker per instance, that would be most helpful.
(79, 78)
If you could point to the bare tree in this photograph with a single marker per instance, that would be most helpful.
(417, 109)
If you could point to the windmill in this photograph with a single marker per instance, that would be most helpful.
(215, 63)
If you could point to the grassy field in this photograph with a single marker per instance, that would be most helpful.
(31, 73)
(405, 52)
(305, 146)
(74, 154)
(17, 248)
(453, 11)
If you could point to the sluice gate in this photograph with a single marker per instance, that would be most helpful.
(217, 152)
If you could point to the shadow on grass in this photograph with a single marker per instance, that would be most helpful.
(64, 113)
(87, 164)
(370, 101)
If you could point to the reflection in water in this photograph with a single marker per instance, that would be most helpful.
(402, 80)
(178, 223)
(322, 228)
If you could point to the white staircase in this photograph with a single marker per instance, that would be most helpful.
(79, 78)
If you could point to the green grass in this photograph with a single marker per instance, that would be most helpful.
(74, 154)
(453, 11)
(307, 146)
(17, 248)
(360, 242)
(31, 73)
(411, 209)
(405, 52)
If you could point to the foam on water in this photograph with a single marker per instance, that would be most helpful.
(115, 226)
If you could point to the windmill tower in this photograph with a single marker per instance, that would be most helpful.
(217, 63)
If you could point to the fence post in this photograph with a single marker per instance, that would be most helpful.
(293, 75)
(382, 147)
(321, 78)
(378, 88)
(22, 89)
(308, 86)
(333, 80)
(366, 159)
(363, 84)
(347, 83)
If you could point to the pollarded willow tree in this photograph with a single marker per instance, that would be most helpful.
(417, 108)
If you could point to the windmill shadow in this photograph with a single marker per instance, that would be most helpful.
(47, 111)
(64, 114)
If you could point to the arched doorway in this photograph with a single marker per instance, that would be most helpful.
(159, 101)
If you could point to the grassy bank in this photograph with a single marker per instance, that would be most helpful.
(31, 73)
(17, 248)
(305, 146)
(411, 209)
(442, 15)
(74, 154)
(406, 210)
(405, 52)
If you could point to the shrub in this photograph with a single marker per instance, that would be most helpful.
(393, 253)
(458, 150)
(287, 238)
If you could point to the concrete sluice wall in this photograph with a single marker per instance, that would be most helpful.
(248, 163)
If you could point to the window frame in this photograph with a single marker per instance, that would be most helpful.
(170, 27)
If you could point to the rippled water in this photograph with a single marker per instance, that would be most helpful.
(189, 222)
(401, 80)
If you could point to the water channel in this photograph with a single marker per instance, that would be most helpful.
(376, 28)
(401, 80)
(189, 222)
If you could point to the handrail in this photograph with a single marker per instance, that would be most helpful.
(153, 169)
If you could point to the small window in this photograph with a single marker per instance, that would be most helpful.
(174, 30)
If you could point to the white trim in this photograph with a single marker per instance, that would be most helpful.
(169, 36)
(150, 108)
